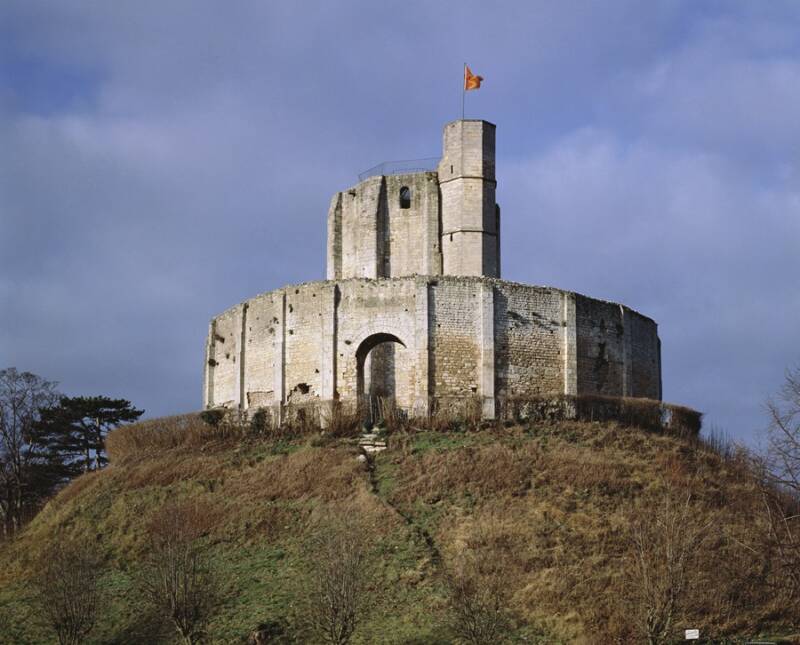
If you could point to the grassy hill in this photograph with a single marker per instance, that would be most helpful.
(554, 505)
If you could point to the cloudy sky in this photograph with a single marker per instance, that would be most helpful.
(162, 161)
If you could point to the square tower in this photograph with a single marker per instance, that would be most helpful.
(470, 216)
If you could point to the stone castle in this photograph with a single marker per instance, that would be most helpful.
(414, 310)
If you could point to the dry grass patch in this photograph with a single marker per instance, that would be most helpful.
(327, 474)
(78, 487)
(177, 466)
(487, 470)
(579, 469)
(145, 438)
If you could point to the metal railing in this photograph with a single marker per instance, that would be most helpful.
(400, 167)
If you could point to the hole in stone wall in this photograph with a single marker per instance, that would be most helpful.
(303, 388)
(291, 309)
(405, 197)
(212, 362)
(219, 338)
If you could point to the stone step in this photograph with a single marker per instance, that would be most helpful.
(373, 448)
(374, 444)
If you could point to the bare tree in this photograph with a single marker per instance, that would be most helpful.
(478, 600)
(22, 480)
(783, 448)
(66, 590)
(781, 490)
(178, 579)
(337, 588)
(664, 545)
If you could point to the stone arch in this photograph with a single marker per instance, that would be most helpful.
(364, 348)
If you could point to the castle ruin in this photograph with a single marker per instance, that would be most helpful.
(414, 309)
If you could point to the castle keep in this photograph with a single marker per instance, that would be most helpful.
(414, 310)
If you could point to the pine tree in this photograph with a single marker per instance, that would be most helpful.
(76, 428)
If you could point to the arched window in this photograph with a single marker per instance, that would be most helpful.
(405, 197)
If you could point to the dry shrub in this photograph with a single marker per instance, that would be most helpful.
(452, 414)
(648, 414)
(665, 546)
(65, 585)
(479, 575)
(683, 421)
(335, 590)
(781, 509)
(633, 412)
(391, 417)
(300, 419)
(177, 579)
(341, 420)
(477, 597)
(438, 420)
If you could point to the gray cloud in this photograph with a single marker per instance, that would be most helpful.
(161, 162)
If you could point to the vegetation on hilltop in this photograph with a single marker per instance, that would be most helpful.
(547, 530)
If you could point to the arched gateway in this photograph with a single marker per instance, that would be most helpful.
(376, 373)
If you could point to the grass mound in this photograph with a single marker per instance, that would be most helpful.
(552, 506)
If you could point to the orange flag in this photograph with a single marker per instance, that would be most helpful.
(471, 81)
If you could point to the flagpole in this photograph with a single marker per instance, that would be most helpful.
(463, 90)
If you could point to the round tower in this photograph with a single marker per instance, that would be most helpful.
(470, 215)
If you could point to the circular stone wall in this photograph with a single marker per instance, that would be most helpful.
(422, 338)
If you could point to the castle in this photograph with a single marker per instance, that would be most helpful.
(414, 309)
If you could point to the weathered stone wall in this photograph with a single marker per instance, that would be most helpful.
(618, 350)
(450, 337)
(600, 347)
(264, 329)
(449, 224)
(529, 340)
(454, 314)
(645, 352)
(223, 356)
(373, 233)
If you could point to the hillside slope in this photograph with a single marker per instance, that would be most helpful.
(555, 504)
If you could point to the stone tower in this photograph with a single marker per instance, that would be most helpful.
(470, 215)
(414, 311)
(423, 223)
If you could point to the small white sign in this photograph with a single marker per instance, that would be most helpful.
(692, 634)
